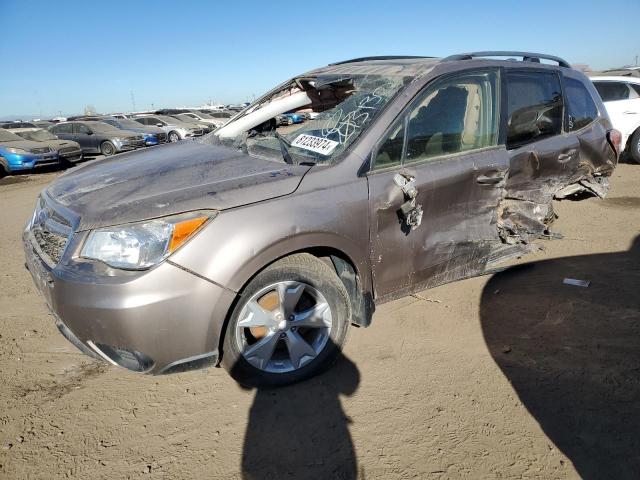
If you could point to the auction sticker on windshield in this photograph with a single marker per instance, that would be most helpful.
(320, 145)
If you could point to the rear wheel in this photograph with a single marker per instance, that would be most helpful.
(174, 137)
(289, 324)
(634, 146)
(107, 148)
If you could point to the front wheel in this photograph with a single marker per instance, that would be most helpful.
(107, 148)
(634, 146)
(174, 137)
(290, 323)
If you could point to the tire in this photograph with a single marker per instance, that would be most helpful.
(173, 137)
(107, 148)
(313, 294)
(634, 146)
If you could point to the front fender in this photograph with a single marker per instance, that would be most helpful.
(240, 242)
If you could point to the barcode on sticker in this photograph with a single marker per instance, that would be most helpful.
(320, 145)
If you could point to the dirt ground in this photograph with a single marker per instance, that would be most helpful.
(513, 375)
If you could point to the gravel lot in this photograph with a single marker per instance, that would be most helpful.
(511, 375)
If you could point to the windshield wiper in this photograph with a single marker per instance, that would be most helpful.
(284, 148)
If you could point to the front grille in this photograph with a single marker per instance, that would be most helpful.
(64, 150)
(133, 141)
(51, 232)
(40, 150)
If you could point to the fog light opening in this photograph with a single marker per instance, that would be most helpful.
(129, 359)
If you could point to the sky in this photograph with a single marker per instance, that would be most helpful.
(60, 56)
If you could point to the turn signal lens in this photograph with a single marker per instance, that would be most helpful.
(183, 230)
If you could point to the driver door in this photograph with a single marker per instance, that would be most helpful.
(445, 145)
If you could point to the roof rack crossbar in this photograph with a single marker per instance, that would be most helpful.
(526, 57)
(384, 57)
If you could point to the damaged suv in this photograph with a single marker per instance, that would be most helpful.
(258, 245)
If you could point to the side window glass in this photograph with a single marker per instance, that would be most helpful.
(454, 115)
(79, 128)
(612, 91)
(389, 152)
(581, 108)
(534, 107)
(143, 120)
(636, 88)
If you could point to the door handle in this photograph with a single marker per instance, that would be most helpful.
(490, 179)
(567, 155)
(630, 113)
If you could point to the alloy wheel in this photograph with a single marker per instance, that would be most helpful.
(283, 326)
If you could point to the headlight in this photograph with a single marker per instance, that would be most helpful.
(16, 150)
(138, 246)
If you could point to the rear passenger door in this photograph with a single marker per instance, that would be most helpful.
(446, 145)
(540, 153)
(623, 105)
(85, 137)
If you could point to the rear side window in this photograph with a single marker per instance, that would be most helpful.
(581, 109)
(636, 88)
(80, 128)
(534, 107)
(612, 91)
(453, 115)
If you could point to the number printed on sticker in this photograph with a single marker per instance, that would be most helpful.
(320, 145)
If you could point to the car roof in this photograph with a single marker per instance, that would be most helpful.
(408, 65)
(24, 129)
(616, 78)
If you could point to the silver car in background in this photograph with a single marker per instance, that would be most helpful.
(174, 128)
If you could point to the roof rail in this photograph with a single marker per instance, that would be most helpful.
(526, 57)
(383, 57)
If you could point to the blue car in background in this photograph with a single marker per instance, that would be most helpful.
(17, 154)
(152, 135)
(295, 117)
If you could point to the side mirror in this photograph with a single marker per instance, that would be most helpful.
(159, 125)
(89, 132)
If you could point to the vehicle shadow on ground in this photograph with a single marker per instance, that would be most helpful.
(301, 431)
(572, 354)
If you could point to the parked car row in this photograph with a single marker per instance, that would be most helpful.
(70, 140)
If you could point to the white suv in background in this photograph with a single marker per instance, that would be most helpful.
(621, 97)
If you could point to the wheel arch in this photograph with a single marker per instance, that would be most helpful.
(352, 270)
(4, 166)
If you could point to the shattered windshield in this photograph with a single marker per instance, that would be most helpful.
(332, 111)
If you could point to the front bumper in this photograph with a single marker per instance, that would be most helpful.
(129, 145)
(152, 321)
(28, 161)
(70, 155)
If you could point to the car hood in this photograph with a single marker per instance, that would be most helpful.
(58, 144)
(24, 144)
(169, 179)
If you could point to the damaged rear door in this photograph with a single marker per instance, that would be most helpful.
(436, 181)
(543, 160)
